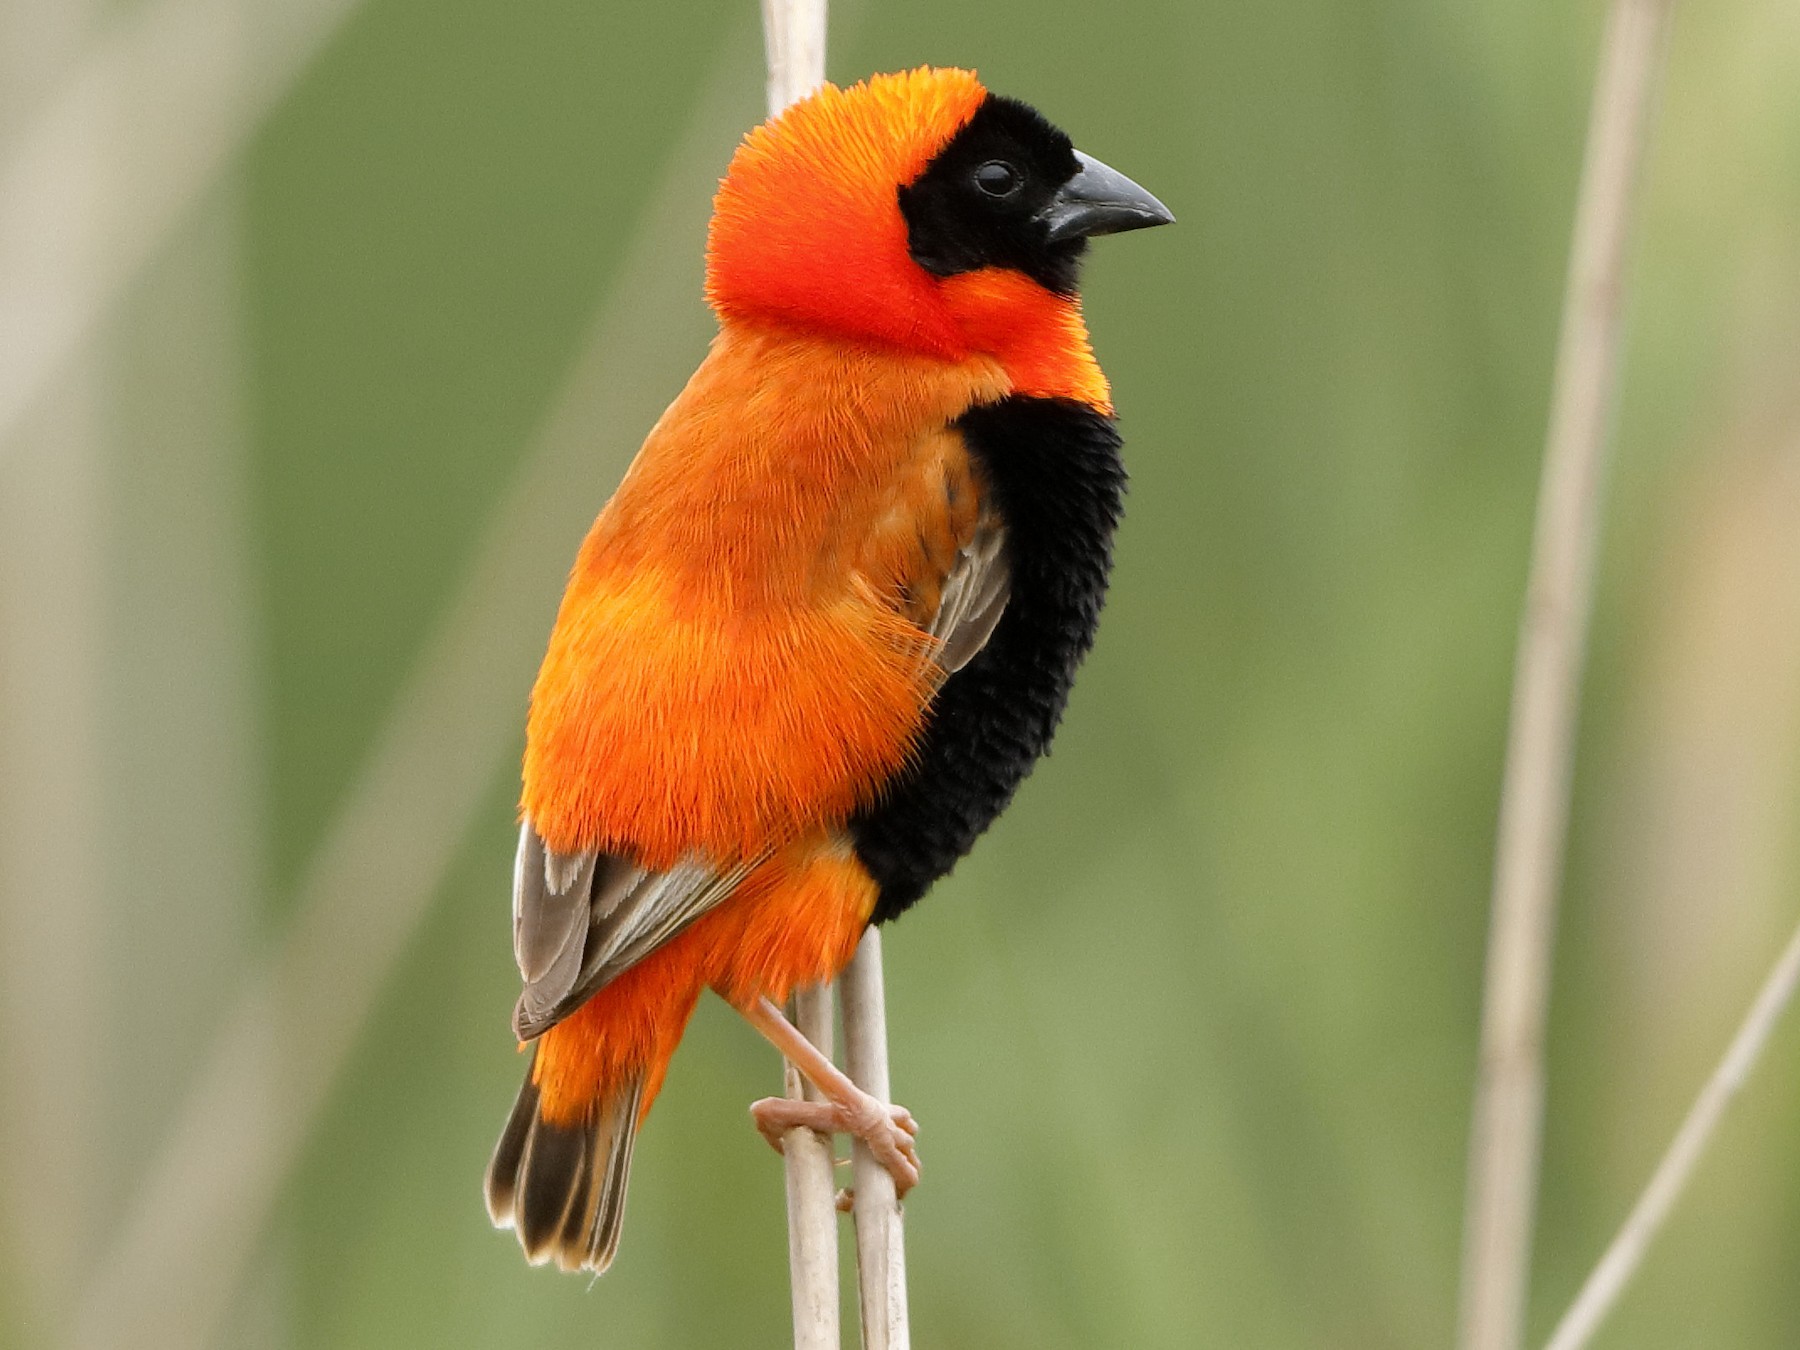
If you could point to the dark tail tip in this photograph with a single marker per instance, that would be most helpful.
(561, 1188)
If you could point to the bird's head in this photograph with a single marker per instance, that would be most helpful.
(916, 210)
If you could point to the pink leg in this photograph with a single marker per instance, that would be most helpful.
(889, 1131)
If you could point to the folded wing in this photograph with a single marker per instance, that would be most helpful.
(581, 918)
(973, 596)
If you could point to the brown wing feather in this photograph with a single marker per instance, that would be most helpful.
(973, 595)
(581, 918)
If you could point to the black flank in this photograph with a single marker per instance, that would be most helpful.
(1054, 469)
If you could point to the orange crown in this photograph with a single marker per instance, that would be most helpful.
(806, 225)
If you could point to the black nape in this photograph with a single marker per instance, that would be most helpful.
(980, 202)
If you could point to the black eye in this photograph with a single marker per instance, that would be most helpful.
(997, 178)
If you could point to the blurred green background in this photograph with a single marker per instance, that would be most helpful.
(1192, 1033)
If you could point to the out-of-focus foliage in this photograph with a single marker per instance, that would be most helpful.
(1192, 1032)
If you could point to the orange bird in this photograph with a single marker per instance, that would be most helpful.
(826, 624)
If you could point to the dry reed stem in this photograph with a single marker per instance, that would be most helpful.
(811, 1193)
(58, 589)
(1622, 1258)
(794, 43)
(1534, 805)
(880, 1222)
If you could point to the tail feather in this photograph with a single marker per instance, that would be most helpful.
(502, 1181)
(561, 1188)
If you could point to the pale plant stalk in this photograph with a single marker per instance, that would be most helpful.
(794, 41)
(811, 1193)
(1505, 1134)
(1622, 1258)
(880, 1230)
(56, 597)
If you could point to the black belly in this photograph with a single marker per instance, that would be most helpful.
(1053, 468)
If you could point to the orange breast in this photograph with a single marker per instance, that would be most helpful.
(733, 663)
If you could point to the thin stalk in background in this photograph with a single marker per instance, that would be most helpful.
(1622, 1258)
(180, 1249)
(1534, 807)
(187, 83)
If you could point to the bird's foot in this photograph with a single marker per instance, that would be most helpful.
(890, 1132)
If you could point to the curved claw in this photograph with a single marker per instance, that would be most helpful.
(889, 1131)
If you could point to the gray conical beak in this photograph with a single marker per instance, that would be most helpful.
(1100, 200)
